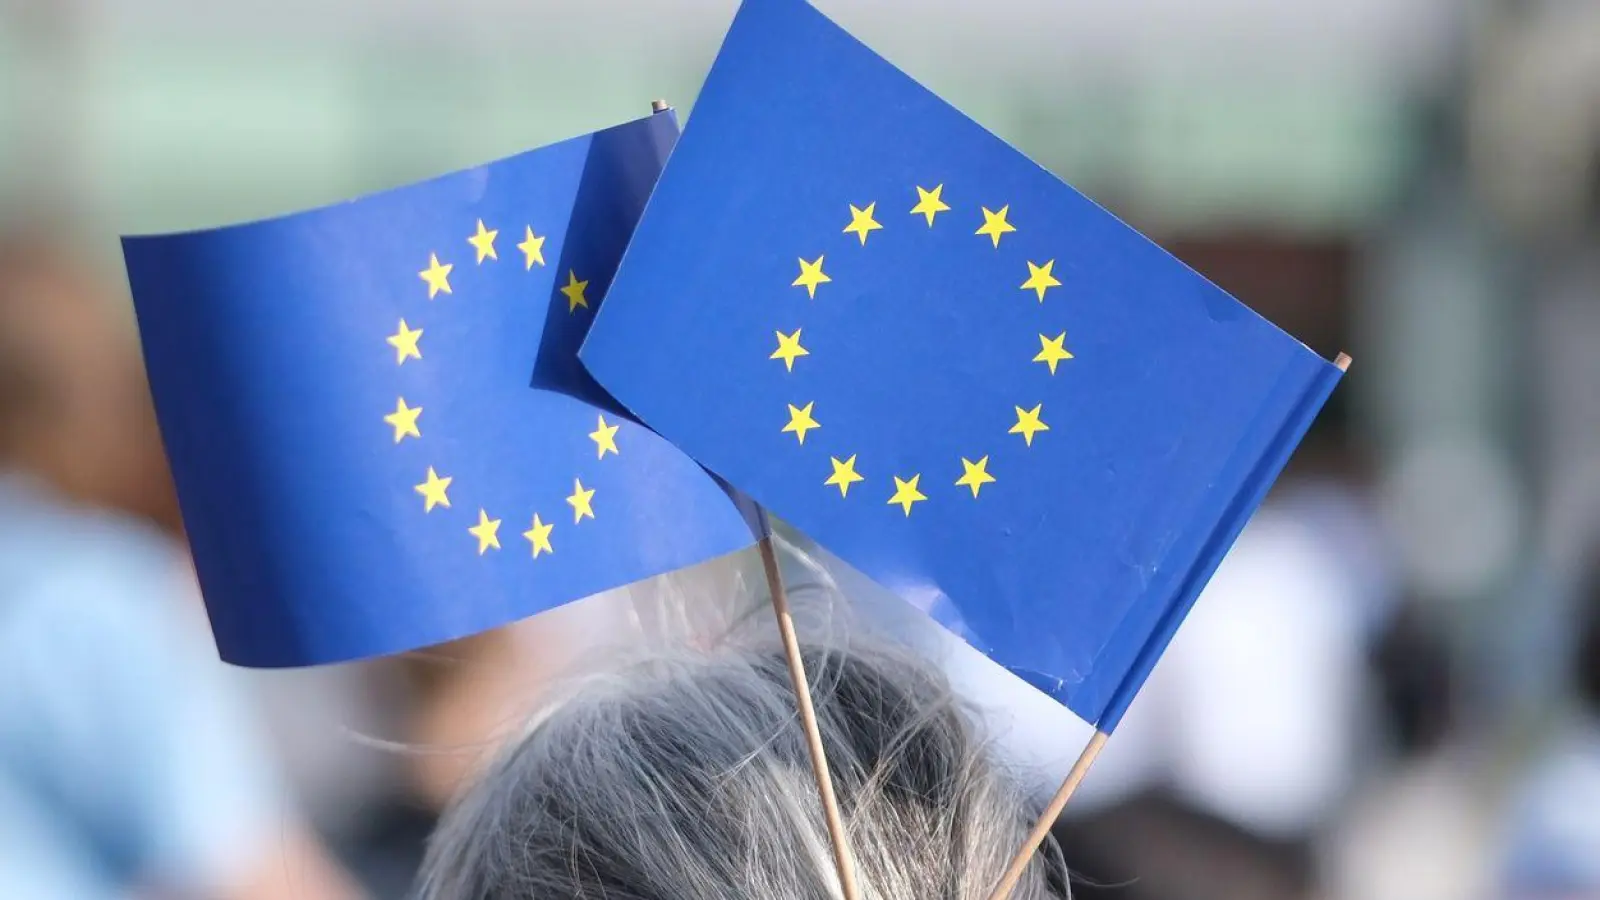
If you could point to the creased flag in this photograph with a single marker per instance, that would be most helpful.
(380, 432)
(943, 364)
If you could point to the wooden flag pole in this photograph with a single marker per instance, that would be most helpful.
(1047, 820)
(808, 717)
(1041, 828)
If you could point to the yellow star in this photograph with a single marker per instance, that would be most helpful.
(906, 493)
(437, 276)
(487, 531)
(929, 203)
(532, 248)
(581, 501)
(539, 536)
(433, 491)
(844, 475)
(1040, 279)
(483, 242)
(1028, 423)
(789, 349)
(404, 343)
(976, 474)
(574, 291)
(861, 222)
(800, 421)
(811, 275)
(404, 420)
(605, 437)
(995, 224)
(1051, 351)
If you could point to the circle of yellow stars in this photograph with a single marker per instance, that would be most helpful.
(405, 421)
(975, 474)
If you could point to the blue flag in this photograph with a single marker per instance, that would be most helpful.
(943, 364)
(380, 432)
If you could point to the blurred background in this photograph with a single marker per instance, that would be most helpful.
(1402, 656)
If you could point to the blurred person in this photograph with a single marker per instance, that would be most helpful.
(77, 412)
(1413, 666)
(127, 764)
(1552, 847)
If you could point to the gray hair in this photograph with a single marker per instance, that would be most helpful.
(684, 775)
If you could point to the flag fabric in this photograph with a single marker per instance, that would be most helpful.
(379, 429)
(943, 364)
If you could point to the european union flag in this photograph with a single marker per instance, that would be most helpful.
(379, 429)
(943, 364)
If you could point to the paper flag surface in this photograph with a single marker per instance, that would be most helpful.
(380, 432)
(943, 364)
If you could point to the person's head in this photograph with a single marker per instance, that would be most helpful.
(74, 404)
(684, 775)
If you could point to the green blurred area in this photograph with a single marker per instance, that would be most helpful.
(181, 135)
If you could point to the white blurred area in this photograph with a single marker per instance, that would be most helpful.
(1379, 676)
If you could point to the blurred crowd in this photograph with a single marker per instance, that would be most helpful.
(1391, 689)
